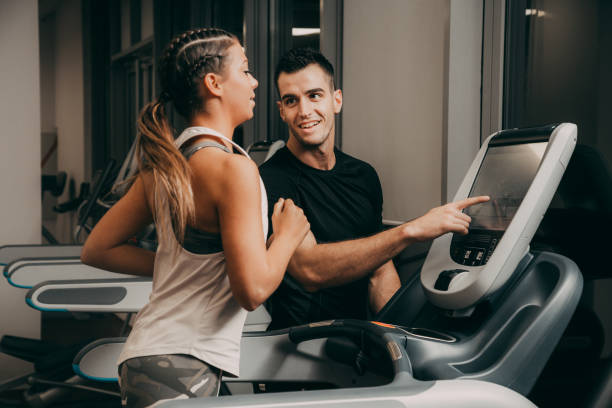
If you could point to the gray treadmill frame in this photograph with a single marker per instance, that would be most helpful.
(476, 283)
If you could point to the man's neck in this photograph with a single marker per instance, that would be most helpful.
(320, 157)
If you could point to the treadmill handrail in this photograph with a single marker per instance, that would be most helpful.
(123, 295)
(10, 253)
(27, 273)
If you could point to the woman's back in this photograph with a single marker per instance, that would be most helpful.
(212, 168)
(192, 298)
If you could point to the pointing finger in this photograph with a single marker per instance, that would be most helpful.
(471, 201)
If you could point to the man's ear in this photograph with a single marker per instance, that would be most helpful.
(281, 111)
(337, 100)
(212, 84)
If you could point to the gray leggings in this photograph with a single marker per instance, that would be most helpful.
(147, 381)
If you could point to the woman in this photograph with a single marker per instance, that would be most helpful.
(209, 209)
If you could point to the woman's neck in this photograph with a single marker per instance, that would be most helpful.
(215, 122)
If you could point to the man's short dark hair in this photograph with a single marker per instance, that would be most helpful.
(297, 59)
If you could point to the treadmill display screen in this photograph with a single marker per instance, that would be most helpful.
(505, 175)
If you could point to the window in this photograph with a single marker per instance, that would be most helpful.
(273, 27)
(128, 37)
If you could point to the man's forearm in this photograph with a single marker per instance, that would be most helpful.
(318, 266)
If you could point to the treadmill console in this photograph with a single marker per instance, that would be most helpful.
(520, 170)
(505, 175)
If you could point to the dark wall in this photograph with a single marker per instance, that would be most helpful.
(559, 64)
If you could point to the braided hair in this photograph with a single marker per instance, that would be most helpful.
(184, 62)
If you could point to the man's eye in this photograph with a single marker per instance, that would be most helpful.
(316, 96)
(289, 101)
(248, 72)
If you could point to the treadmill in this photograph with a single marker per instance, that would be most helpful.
(473, 329)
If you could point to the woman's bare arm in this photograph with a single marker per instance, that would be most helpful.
(107, 247)
(254, 271)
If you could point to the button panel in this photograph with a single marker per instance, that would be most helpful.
(476, 248)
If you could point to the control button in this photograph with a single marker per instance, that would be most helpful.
(478, 258)
(493, 244)
(480, 255)
(445, 278)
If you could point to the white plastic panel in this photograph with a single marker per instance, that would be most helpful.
(10, 253)
(480, 282)
(30, 274)
(69, 297)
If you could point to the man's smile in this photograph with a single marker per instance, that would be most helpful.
(309, 124)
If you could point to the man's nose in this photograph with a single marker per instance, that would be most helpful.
(304, 107)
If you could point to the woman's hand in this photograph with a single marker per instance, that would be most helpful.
(289, 222)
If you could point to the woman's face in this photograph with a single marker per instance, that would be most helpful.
(239, 85)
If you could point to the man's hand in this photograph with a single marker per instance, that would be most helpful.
(443, 219)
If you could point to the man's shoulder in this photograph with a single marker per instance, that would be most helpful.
(351, 162)
(279, 174)
(280, 161)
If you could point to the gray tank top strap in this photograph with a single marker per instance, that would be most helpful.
(202, 242)
(191, 149)
(197, 241)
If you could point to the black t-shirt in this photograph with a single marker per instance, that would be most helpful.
(341, 204)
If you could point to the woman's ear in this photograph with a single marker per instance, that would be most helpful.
(212, 84)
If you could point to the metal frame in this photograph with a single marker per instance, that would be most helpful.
(332, 30)
(263, 44)
(492, 67)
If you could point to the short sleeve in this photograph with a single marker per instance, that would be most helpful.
(377, 197)
(279, 184)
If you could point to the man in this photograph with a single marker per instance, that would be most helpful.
(346, 258)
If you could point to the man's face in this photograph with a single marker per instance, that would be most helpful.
(308, 104)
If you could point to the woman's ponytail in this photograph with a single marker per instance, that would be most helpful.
(158, 154)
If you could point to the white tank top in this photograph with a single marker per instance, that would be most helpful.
(191, 309)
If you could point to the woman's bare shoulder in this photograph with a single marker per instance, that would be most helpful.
(221, 164)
